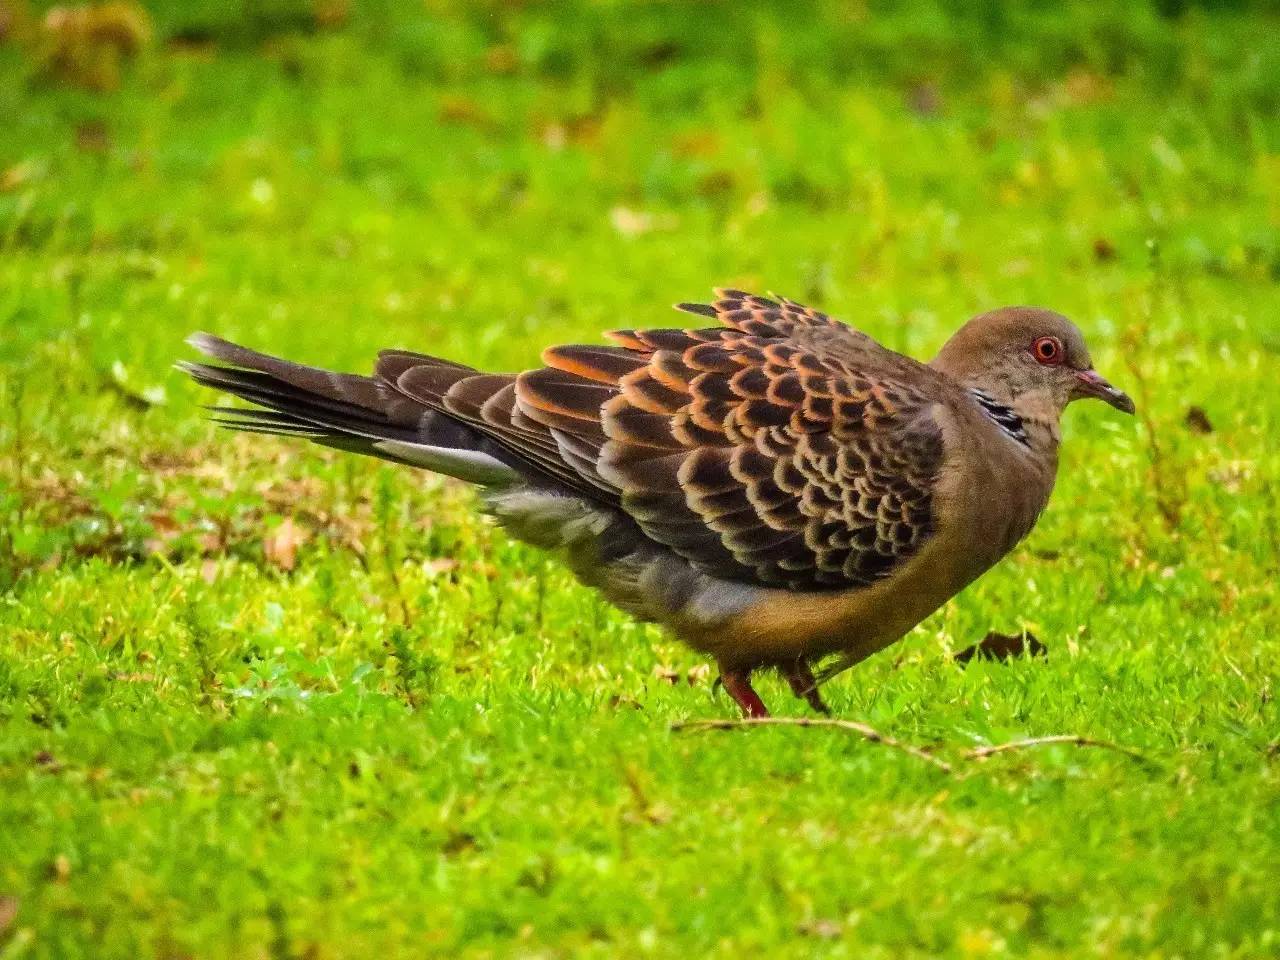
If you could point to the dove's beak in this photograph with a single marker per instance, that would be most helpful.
(1089, 383)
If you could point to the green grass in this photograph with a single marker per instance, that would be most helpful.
(424, 740)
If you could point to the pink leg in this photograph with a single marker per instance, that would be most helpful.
(737, 683)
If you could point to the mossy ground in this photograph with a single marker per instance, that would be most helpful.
(262, 700)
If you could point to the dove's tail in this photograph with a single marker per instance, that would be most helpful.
(350, 412)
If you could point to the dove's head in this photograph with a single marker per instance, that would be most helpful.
(1027, 357)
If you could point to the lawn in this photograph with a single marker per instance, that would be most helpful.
(260, 699)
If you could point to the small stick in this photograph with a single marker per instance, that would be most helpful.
(852, 726)
(981, 753)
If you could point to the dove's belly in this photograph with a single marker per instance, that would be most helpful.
(780, 626)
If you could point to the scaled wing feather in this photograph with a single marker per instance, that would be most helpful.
(782, 448)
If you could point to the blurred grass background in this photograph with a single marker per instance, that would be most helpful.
(261, 700)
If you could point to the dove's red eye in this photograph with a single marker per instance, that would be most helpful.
(1047, 350)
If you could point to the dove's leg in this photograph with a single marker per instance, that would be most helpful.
(803, 684)
(737, 683)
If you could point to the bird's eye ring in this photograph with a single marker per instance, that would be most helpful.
(1047, 350)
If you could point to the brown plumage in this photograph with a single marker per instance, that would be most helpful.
(775, 489)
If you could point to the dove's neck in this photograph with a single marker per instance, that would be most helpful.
(1020, 468)
(1036, 407)
(1040, 410)
(1041, 416)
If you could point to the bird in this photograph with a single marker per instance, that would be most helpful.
(774, 487)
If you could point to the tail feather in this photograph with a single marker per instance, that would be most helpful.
(360, 414)
(284, 400)
(316, 382)
(262, 421)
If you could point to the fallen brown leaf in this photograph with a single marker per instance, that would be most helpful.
(44, 758)
(332, 13)
(1083, 87)
(15, 176)
(85, 45)
(92, 136)
(633, 223)
(464, 111)
(1000, 646)
(924, 100)
(1197, 420)
(669, 674)
(281, 544)
(8, 911)
(8, 20)
(821, 929)
(439, 565)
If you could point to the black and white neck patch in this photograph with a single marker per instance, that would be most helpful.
(1002, 416)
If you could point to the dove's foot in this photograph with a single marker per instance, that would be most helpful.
(803, 685)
